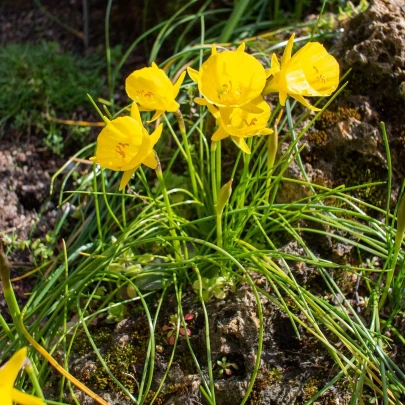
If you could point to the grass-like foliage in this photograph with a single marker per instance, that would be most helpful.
(203, 222)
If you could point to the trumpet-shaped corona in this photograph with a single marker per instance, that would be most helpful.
(153, 91)
(124, 144)
(230, 78)
(239, 123)
(8, 374)
(310, 72)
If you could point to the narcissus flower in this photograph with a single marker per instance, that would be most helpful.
(8, 374)
(124, 144)
(239, 123)
(230, 78)
(152, 90)
(310, 72)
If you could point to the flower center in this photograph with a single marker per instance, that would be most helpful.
(229, 92)
(145, 94)
(252, 122)
(320, 77)
(120, 151)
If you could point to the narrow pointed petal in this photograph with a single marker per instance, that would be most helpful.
(150, 160)
(135, 113)
(266, 131)
(155, 135)
(241, 47)
(126, 177)
(22, 398)
(201, 101)
(213, 50)
(282, 96)
(173, 106)
(176, 86)
(157, 114)
(194, 74)
(211, 108)
(287, 51)
(252, 108)
(302, 100)
(275, 64)
(219, 134)
(241, 144)
(142, 108)
(154, 65)
(10, 370)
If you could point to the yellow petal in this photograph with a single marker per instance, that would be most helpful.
(135, 113)
(10, 370)
(155, 135)
(239, 122)
(241, 47)
(287, 51)
(150, 88)
(5, 395)
(176, 86)
(201, 101)
(282, 96)
(154, 65)
(143, 108)
(22, 398)
(231, 79)
(241, 144)
(219, 134)
(118, 143)
(272, 85)
(266, 131)
(156, 116)
(126, 177)
(275, 64)
(302, 100)
(173, 106)
(251, 108)
(312, 71)
(213, 50)
(194, 74)
(150, 160)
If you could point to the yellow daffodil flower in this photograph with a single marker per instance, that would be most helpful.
(124, 144)
(310, 72)
(230, 78)
(8, 374)
(152, 90)
(239, 123)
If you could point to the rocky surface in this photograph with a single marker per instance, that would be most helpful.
(291, 370)
(345, 145)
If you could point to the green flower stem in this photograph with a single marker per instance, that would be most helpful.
(106, 201)
(272, 146)
(176, 243)
(218, 165)
(7, 330)
(215, 187)
(244, 178)
(34, 380)
(219, 231)
(8, 292)
(182, 127)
